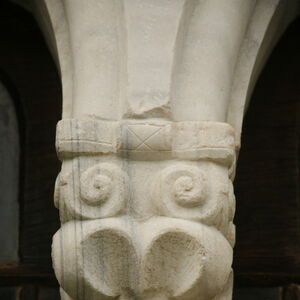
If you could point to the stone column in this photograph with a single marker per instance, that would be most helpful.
(154, 96)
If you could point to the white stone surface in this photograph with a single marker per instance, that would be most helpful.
(154, 96)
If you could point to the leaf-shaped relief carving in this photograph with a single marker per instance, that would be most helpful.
(173, 263)
(180, 257)
(97, 258)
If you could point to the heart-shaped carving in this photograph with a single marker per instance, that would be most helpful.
(162, 258)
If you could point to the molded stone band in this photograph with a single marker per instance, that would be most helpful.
(86, 136)
(185, 140)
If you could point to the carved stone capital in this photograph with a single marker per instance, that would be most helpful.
(154, 97)
(147, 209)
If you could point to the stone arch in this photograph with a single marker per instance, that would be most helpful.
(30, 75)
